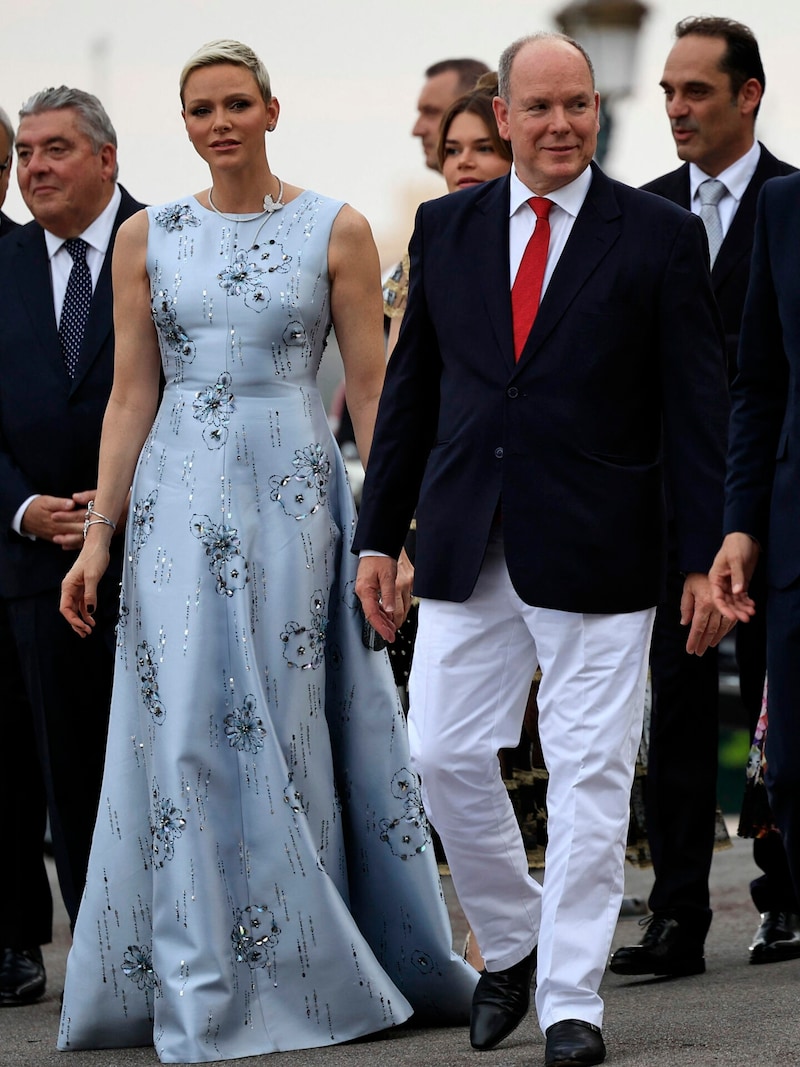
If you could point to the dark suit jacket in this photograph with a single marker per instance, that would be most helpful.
(49, 423)
(569, 440)
(7, 225)
(731, 271)
(763, 484)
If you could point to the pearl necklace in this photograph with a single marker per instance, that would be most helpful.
(270, 205)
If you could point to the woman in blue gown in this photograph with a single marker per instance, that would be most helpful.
(261, 875)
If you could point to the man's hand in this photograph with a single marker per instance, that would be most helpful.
(403, 588)
(730, 576)
(57, 519)
(708, 624)
(377, 590)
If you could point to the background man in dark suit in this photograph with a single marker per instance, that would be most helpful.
(713, 83)
(539, 487)
(762, 498)
(50, 417)
(445, 81)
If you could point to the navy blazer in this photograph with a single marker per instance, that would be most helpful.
(621, 385)
(763, 482)
(731, 271)
(49, 423)
(7, 225)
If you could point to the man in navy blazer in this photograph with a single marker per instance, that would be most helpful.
(539, 493)
(762, 492)
(713, 84)
(49, 440)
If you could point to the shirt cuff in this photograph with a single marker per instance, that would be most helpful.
(16, 522)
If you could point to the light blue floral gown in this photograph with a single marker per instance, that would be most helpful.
(261, 875)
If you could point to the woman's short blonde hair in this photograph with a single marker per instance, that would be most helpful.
(227, 51)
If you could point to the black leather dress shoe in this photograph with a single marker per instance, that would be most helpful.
(500, 1003)
(777, 938)
(22, 977)
(666, 948)
(573, 1043)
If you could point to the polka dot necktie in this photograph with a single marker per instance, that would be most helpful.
(527, 288)
(77, 300)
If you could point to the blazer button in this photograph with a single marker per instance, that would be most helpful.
(498, 453)
(513, 392)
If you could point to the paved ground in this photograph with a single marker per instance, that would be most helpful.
(735, 1014)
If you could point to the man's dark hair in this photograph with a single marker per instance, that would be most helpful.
(468, 71)
(741, 59)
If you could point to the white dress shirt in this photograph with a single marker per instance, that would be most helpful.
(735, 178)
(567, 202)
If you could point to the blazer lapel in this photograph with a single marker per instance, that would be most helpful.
(490, 242)
(98, 324)
(100, 321)
(594, 232)
(36, 288)
(738, 242)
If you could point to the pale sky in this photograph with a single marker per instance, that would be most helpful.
(347, 75)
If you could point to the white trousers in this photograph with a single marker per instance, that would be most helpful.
(472, 670)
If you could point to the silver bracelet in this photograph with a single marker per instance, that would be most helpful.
(94, 518)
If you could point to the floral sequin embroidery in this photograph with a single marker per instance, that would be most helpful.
(176, 216)
(227, 564)
(244, 279)
(243, 728)
(142, 520)
(137, 964)
(214, 406)
(166, 827)
(408, 834)
(276, 256)
(304, 643)
(254, 933)
(304, 491)
(147, 669)
(174, 335)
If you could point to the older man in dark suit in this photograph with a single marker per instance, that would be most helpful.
(56, 354)
(532, 445)
(713, 83)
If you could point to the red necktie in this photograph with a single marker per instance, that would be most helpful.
(527, 287)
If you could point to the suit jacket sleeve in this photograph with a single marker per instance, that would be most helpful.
(761, 387)
(696, 401)
(404, 438)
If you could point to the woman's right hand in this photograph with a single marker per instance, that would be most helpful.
(79, 588)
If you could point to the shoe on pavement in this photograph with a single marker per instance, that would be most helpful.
(500, 1002)
(22, 976)
(667, 948)
(777, 938)
(573, 1043)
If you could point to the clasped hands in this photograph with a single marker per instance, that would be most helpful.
(58, 519)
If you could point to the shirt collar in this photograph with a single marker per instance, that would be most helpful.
(97, 234)
(569, 197)
(735, 178)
